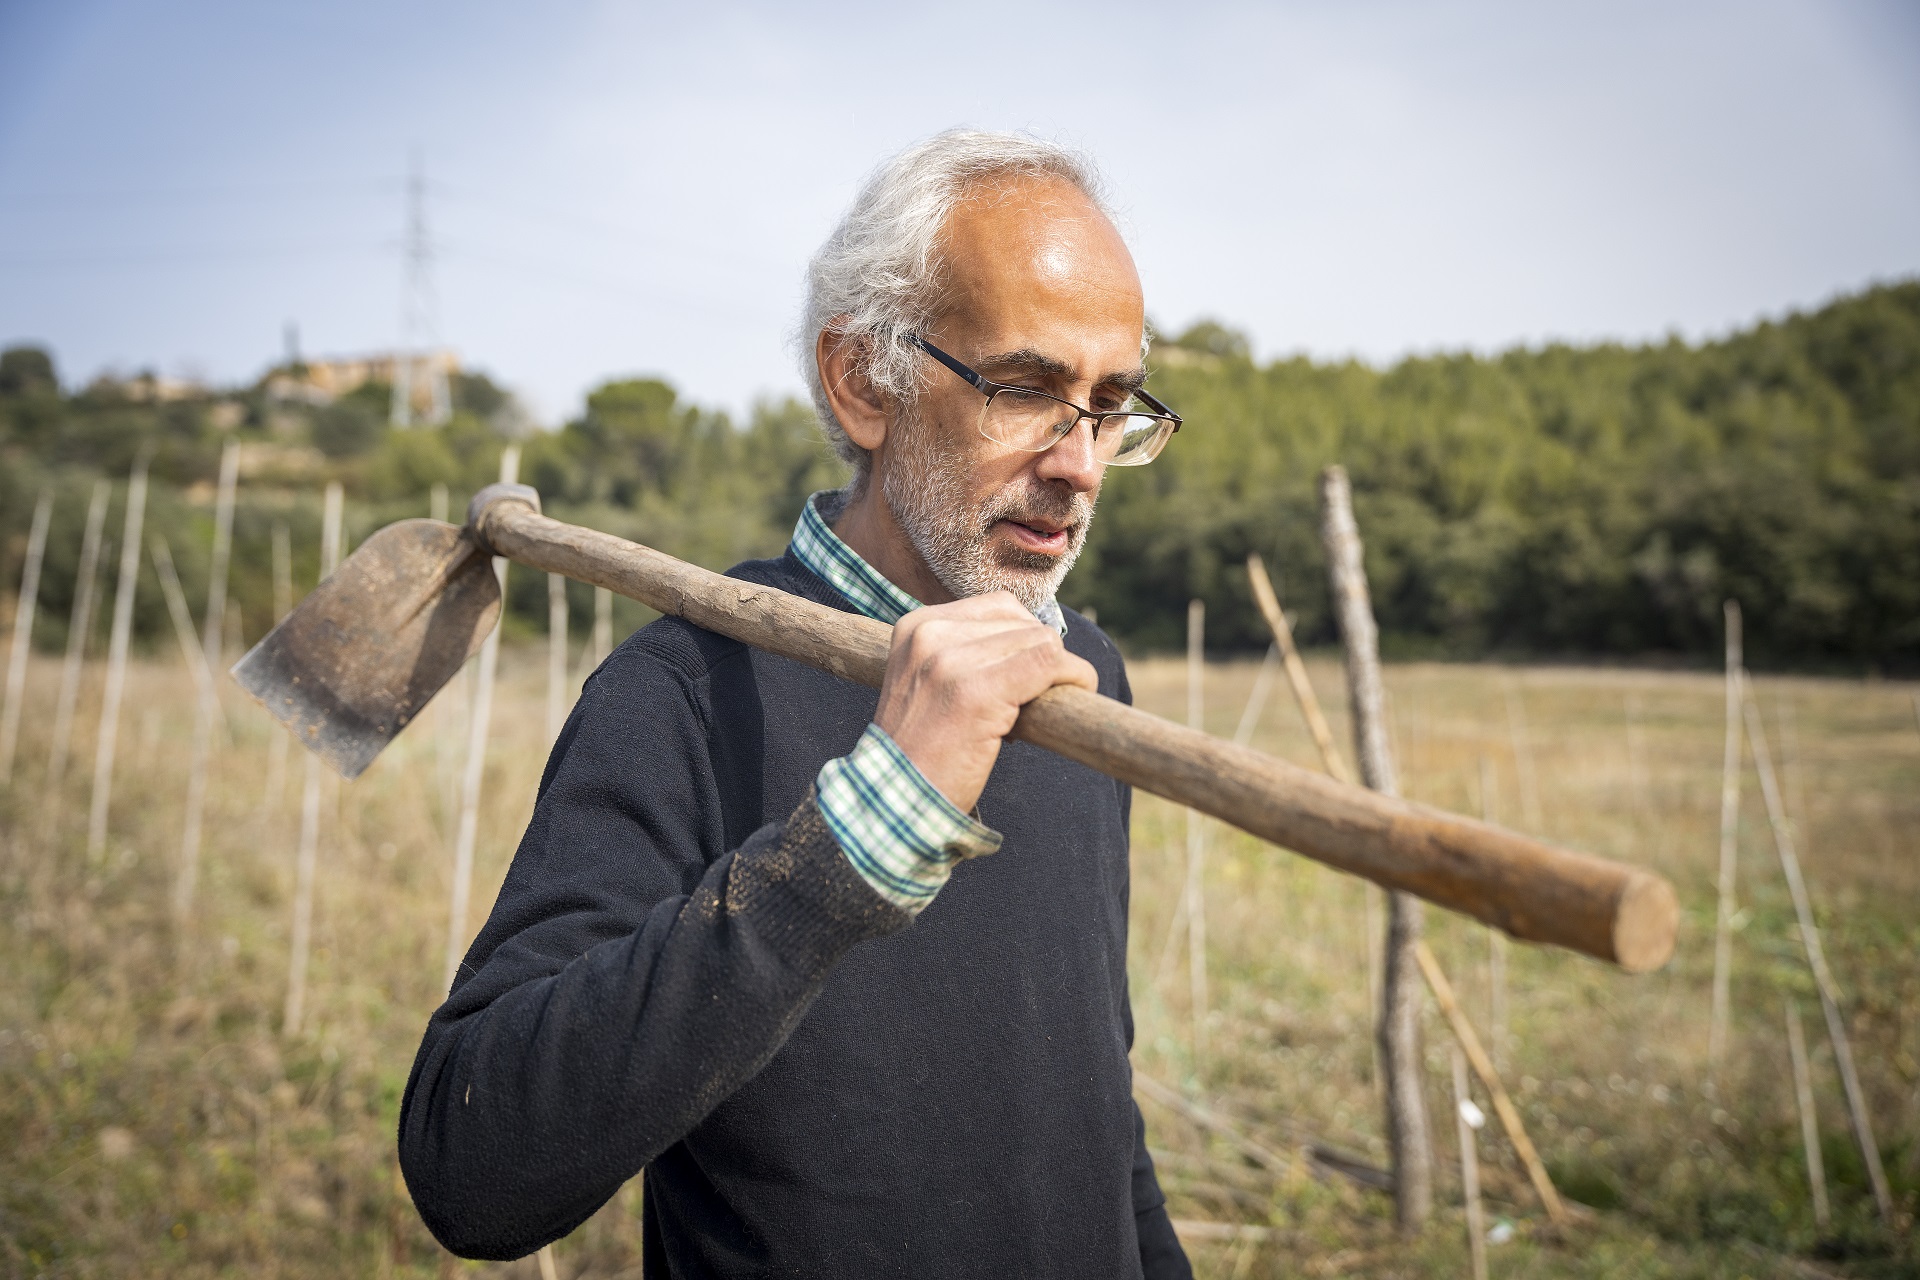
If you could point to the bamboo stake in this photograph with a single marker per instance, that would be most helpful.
(222, 552)
(1816, 957)
(1523, 759)
(1196, 840)
(476, 761)
(1257, 699)
(79, 622)
(1809, 1119)
(603, 627)
(1408, 1135)
(307, 861)
(556, 654)
(1468, 1118)
(23, 610)
(1296, 669)
(117, 660)
(1496, 943)
(192, 651)
(1729, 846)
(282, 606)
(1503, 1108)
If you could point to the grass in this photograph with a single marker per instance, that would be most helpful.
(157, 1123)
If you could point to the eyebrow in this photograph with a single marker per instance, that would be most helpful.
(1028, 361)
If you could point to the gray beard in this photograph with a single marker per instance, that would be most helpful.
(926, 490)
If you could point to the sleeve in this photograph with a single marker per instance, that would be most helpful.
(900, 833)
(1161, 1254)
(634, 973)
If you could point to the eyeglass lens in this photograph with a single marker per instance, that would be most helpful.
(1032, 422)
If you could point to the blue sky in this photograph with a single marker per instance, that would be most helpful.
(625, 188)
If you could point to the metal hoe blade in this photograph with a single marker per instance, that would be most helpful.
(353, 665)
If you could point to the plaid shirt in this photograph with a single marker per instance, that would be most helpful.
(900, 833)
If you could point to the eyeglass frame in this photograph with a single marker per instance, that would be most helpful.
(989, 388)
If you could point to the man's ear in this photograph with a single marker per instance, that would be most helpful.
(863, 412)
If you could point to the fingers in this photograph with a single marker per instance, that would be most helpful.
(957, 676)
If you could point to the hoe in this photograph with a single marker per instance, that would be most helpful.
(355, 663)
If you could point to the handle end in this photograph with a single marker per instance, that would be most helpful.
(1645, 921)
(486, 498)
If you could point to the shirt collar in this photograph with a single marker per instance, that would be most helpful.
(828, 557)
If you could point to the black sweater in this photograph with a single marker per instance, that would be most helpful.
(684, 973)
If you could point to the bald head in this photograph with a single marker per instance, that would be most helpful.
(1037, 280)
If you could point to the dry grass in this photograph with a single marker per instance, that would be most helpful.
(156, 1122)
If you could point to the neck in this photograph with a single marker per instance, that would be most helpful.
(868, 525)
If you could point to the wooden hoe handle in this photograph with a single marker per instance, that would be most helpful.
(1532, 890)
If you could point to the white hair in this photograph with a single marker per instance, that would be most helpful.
(878, 278)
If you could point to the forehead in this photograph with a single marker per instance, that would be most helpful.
(1034, 264)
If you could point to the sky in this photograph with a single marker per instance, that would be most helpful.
(632, 189)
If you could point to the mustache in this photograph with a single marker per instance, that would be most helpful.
(1043, 501)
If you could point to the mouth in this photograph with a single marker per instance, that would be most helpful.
(1039, 536)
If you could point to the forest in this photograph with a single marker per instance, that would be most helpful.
(1557, 501)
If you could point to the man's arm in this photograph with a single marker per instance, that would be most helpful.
(622, 988)
(1161, 1254)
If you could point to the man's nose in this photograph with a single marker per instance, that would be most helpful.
(1072, 460)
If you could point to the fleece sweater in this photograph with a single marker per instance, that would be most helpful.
(684, 974)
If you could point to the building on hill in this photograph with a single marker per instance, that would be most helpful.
(420, 382)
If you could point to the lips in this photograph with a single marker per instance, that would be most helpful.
(1038, 537)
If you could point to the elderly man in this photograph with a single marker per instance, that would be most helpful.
(752, 942)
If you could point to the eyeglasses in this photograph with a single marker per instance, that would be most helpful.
(1033, 421)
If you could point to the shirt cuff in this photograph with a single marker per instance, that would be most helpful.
(895, 827)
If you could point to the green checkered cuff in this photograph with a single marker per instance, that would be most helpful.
(895, 827)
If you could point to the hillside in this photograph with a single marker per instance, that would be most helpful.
(1556, 501)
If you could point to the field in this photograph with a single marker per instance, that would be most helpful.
(157, 1122)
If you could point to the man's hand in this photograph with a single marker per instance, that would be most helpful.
(957, 676)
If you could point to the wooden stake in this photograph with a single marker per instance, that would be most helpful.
(556, 654)
(437, 502)
(476, 762)
(1408, 1135)
(602, 624)
(1503, 1107)
(1257, 699)
(1296, 669)
(282, 606)
(1196, 840)
(79, 622)
(222, 553)
(23, 611)
(1466, 1119)
(1809, 1120)
(117, 660)
(1816, 957)
(1729, 847)
(1496, 943)
(194, 654)
(1523, 759)
(307, 861)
